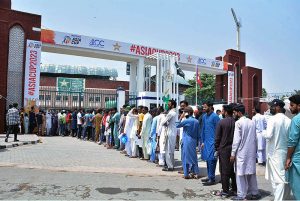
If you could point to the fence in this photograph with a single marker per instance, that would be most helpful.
(50, 98)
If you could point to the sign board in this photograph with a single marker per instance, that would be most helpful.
(81, 41)
(32, 73)
(230, 87)
(70, 84)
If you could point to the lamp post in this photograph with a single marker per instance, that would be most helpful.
(238, 26)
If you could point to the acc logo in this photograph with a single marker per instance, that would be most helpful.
(97, 43)
(202, 61)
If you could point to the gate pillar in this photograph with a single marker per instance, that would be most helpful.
(120, 97)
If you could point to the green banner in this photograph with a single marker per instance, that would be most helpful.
(70, 84)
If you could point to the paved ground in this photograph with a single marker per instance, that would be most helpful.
(66, 168)
(23, 140)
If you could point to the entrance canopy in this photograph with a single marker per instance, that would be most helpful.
(79, 45)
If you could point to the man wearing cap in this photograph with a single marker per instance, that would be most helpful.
(261, 125)
(277, 137)
(190, 137)
(293, 155)
(243, 153)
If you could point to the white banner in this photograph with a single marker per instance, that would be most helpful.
(32, 73)
(230, 87)
(75, 40)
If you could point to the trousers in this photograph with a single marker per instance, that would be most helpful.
(211, 169)
(246, 184)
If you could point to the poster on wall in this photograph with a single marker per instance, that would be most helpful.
(230, 87)
(70, 84)
(32, 74)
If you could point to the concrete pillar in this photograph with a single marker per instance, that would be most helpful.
(132, 82)
(141, 75)
(120, 97)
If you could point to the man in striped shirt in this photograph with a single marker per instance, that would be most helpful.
(13, 121)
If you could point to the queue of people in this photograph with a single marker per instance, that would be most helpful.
(237, 142)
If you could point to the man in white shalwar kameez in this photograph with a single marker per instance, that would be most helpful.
(145, 132)
(277, 138)
(161, 134)
(48, 123)
(127, 130)
(170, 123)
(243, 152)
(261, 125)
(133, 131)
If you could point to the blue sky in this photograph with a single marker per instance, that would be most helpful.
(270, 33)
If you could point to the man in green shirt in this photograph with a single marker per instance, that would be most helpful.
(292, 164)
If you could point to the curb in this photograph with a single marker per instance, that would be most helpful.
(17, 144)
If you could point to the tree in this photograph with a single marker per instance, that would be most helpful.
(207, 92)
(264, 93)
(296, 92)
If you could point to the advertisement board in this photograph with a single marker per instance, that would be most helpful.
(75, 40)
(32, 73)
(70, 84)
(230, 87)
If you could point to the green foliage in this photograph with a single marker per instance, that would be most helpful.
(207, 92)
(264, 93)
(297, 92)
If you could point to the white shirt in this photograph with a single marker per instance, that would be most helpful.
(260, 123)
(277, 138)
(79, 120)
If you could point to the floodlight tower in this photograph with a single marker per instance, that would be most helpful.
(238, 26)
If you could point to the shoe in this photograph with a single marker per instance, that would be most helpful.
(16, 140)
(253, 197)
(188, 177)
(180, 172)
(232, 193)
(209, 183)
(237, 198)
(6, 140)
(205, 180)
(168, 169)
(132, 156)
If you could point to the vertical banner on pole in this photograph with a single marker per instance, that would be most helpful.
(230, 87)
(32, 74)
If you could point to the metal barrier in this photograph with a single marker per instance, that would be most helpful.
(52, 99)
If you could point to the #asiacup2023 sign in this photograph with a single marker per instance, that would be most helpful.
(32, 73)
(75, 40)
(230, 87)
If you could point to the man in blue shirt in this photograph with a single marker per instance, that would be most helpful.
(190, 138)
(293, 155)
(210, 121)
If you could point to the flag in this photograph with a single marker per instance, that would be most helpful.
(179, 71)
(166, 98)
(198, 78)
(225, 67)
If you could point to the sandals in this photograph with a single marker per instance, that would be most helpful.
(188, 177)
